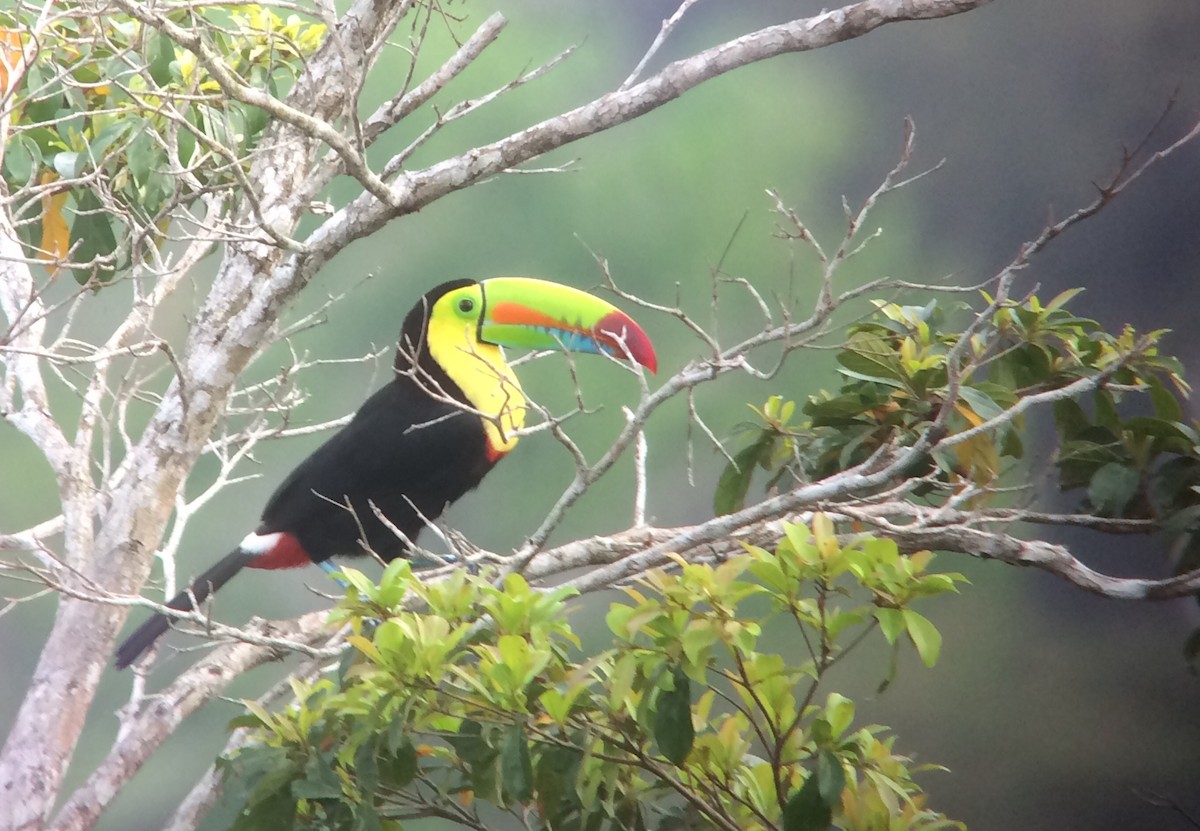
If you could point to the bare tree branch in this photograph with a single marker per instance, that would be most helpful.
(155, 717)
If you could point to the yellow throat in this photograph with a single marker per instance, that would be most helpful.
(480, 371)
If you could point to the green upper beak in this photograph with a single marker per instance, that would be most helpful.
(536, 314)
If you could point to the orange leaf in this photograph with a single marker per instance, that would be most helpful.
(969, 414)
(11, 52)
(56, 236)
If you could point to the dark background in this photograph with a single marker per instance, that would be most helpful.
(1052, 709)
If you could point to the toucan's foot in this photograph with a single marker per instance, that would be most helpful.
(421, 562)
(332, 570)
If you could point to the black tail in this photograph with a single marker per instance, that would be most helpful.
(203, 586)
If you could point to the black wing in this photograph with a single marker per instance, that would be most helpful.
(402, 449)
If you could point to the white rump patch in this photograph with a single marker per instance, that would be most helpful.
(259, 543)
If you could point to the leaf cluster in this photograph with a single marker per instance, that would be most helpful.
(115, 126)
(905, 365)
(482, 701)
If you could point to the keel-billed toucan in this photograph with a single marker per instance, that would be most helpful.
(448, 414)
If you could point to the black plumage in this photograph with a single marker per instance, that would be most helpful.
(418, 462)
(451, 410)
(410, 451)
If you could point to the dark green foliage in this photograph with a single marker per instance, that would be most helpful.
(1123, 438)
(258, 789)
(898, 381)
(807, 809)
(673, 729)
(445, 714)
(772, 447)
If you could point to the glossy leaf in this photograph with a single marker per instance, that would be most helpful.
(870, 357)
(1112, 488)
(673, 730)
(516, 765)
(925, 636)
(1069, 418)
(831, 778)
(806, 810)
(1166, 405)
(734, 483)
(319, 782)
(92, 238)
(255, 781)
(161, 52)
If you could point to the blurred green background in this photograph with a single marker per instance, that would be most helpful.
(1052, 709)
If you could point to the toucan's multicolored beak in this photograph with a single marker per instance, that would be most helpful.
(536, 314)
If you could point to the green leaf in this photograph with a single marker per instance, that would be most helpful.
(91, 237)
(97, 148)
(19, 160)
(806, 810)
(735, 479)
(67, 164)
(516, 765)
(891, 623)
(275, 812)
(1062, 298)
(696, 639)
(980, 402)
(1112, 487)
(874, 379)
(870, 355)
(358, 580)
(366, 818)
(1166, 405)
(831, 778)
(400, 768)
(1106, 411)
(257, 776)
(320, 782)
(557, 769)
(1069, 418)
(160, 51)
(839, 712)
(366, 765)
(673, 729)
(470, 745)
(925, 636)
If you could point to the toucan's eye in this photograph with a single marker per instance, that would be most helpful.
(466, 304)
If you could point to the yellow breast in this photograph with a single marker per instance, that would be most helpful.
(480, 371)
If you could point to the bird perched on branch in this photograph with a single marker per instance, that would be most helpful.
(450, 412)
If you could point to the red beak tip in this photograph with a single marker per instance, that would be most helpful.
(650, 361)
(620, 329)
